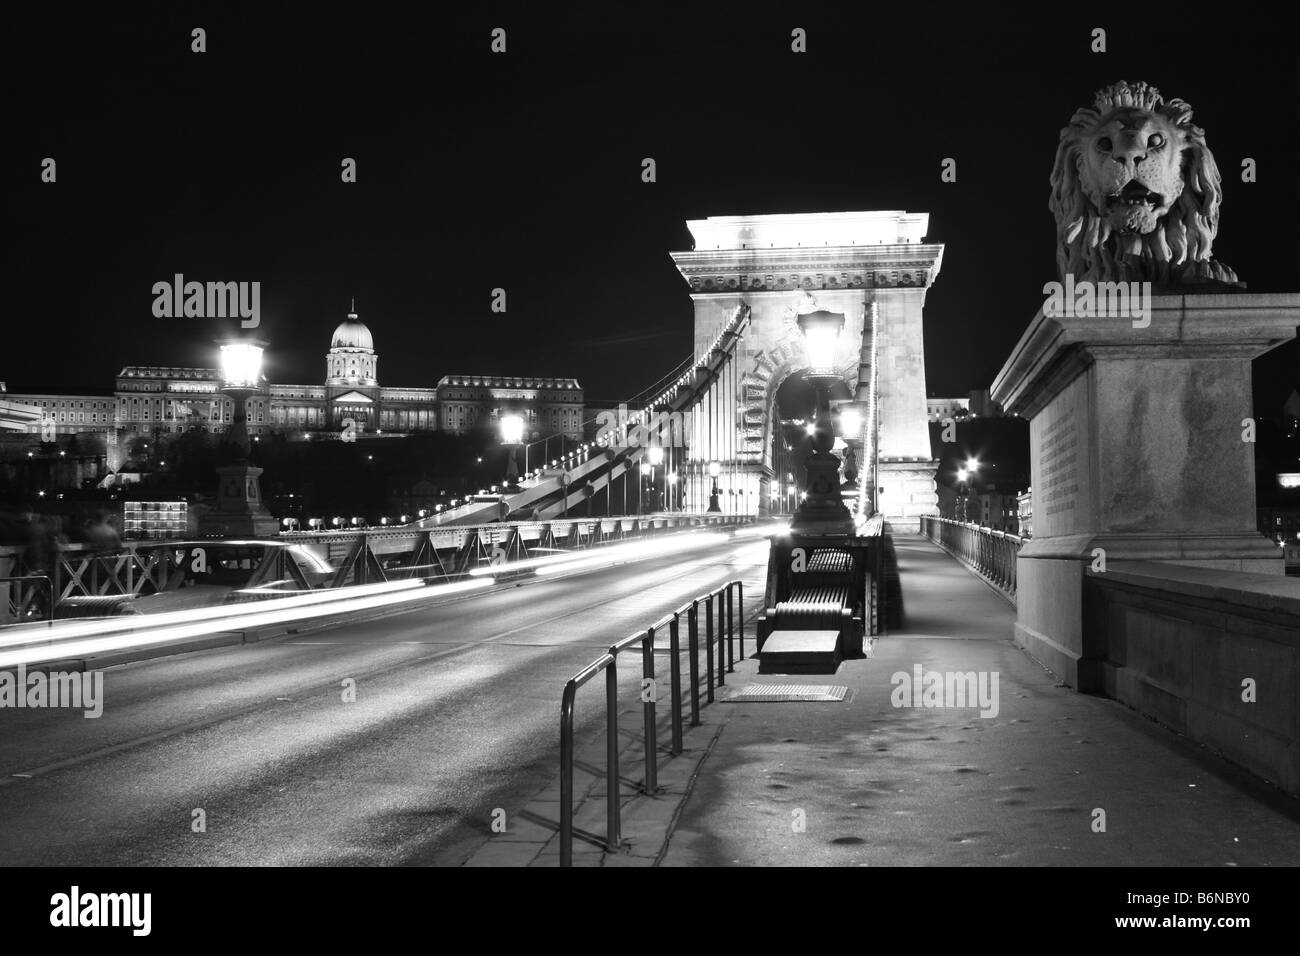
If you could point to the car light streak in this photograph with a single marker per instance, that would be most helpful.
(252, 619)
(102, 627)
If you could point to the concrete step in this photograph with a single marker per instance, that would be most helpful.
(800, 652)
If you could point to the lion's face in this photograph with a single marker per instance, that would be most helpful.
(1130, 167)
(1136, 192)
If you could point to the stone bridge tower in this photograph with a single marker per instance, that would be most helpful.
(873, 267)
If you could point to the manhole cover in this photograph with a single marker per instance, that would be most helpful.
(783, 693)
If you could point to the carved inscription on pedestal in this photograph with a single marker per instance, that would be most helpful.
(1059, 462)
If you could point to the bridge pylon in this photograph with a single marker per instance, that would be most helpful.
(875, 268)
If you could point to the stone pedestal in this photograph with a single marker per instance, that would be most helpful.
(823, 511)
(909, 492)
(239, 511)
(1137, 452)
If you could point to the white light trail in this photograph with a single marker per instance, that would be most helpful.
(246, 621)
(100, 627)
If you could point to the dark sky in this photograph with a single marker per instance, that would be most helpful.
(523, 171)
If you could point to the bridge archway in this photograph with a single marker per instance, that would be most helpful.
(791, 403)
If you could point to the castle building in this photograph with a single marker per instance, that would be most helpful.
(148, 400)
(549, 406)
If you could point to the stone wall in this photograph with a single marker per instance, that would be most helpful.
(1188, 646)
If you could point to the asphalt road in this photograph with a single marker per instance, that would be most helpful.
(456, 714)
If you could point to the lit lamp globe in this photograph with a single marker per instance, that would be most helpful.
(241, 364)
(241, 374)
(821, 333)
(512, 430)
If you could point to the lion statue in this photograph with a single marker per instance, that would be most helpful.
(1136, 193)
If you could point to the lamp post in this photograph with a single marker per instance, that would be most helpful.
(851, 430)
(512, 436)
(656, 455)
(640, 487)
(715, 469)
(240, 509)
(967, 475)
(822, 510)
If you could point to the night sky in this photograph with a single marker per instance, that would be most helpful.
(522, 171)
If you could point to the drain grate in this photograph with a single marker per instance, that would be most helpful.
(785, 693)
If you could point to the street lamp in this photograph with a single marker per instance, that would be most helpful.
(241, 372)
(967, 474)
(240, 509)
(656, 455)
(822, 510)
(512, 435)
(715, 469)
(645, 470)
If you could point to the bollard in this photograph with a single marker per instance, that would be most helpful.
(566, 774)
(613, 838)
(708, 642)
(648, 712)
(722, 671)
(693, 634)
(731, 632)
(674, 644)
(740, 608)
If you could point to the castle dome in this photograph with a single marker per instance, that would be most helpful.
(352, 333)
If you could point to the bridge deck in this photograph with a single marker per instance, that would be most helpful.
(887, 785)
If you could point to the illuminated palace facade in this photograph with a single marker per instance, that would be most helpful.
(148, 400)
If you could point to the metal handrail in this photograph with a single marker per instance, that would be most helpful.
(608, 662)
(990, 554)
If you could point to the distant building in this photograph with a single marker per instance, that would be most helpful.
(978, 404)
(149, 400)
(1025, 513)
(549, 406)
(937, 409)
(996, 510)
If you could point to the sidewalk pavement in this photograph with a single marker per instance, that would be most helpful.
(879, 785)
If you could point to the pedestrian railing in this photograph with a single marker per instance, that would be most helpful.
(990, 554)
(721, 628)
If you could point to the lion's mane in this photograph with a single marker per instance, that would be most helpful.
(1178, 249)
